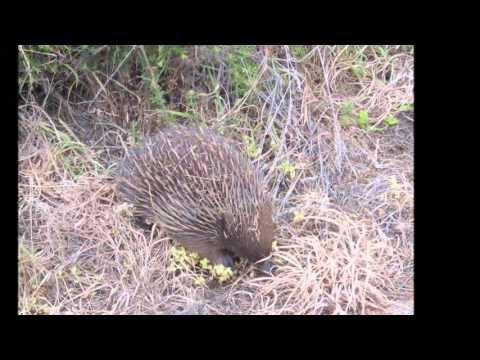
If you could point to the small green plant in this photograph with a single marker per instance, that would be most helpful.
(76, 273)
(251, 147)
(31, 256)
(298, 216)
(156, 62)
(299, 51)
(391, 120)
(191, 99)
(287, 168)
(214, 88)
(74, 155)
(205, 264)
(274, 139)
(242, 69)
(33, 307)
(134, 133)
(394, 192)
(200, 280)
(373, 129)
(181, 259)
(222, 273)
(382, 51)
(158, 98)
(184, 260)
(407, 48)
(46, 48)
(346, 113)
(358, 71)
(405, 107)
(362, 119)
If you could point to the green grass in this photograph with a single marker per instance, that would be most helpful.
(73, 65)
(391, 120)
(346, 113)
(358, 70)
(242, 69)
(287, 168)
(299, 51)
(362, 119)
(76, 157)
(251, 147)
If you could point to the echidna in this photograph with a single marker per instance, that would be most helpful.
(199, 187)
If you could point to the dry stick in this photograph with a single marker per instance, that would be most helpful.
(339, 147)
(47, 91)
(93, 197)
(29, 68)
(150, 69)
(40, 109)
(309, 54)
(274, 116)
(268, 127)
(283, 135)
(113, 74)
(127, 90)
(88, 151)
(292, 73)
(290, 190)
(295, 74)
(104, 90)
(237, 107)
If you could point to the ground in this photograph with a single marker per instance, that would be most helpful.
(331, 126)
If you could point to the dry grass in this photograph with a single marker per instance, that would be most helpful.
(345, 214)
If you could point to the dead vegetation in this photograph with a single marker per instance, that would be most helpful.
(332, 125)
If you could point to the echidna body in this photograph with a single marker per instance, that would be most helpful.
(200, 188)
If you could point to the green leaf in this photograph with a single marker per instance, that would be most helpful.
(299, 51)
(383, 52)
(222, 273)
(177, 113)
(374, 129)
(346, 113)
(391, 120)
(287, 168)
(252, 150)
(405, 107)
(358, 71)
(274, 140)
(204, 263)
(362, 120)
(46, 48)
(200, 281)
